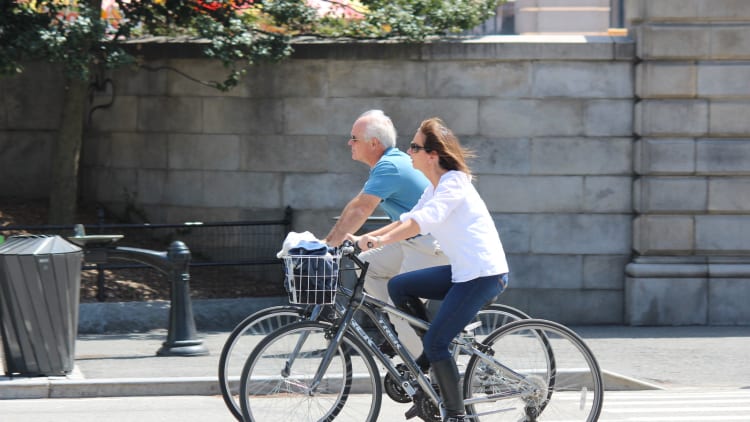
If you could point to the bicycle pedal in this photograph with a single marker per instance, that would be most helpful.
(411, 413)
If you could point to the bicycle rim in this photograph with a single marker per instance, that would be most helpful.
(276, 380)
(241, 342)
(495, 316)
(535, 388)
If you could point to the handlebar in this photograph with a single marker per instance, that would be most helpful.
(349, 248)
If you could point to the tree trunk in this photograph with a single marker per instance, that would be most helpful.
(63, 198)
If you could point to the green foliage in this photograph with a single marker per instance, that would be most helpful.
(239, 32)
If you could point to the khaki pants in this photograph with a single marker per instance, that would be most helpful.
(390, 260)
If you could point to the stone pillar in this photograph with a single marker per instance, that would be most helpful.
(691, 234)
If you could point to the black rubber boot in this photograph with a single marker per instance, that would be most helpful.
(447, 379)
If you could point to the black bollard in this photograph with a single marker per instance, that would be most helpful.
(181, 338)
(175, 264)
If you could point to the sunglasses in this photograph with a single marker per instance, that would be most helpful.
(416, 148)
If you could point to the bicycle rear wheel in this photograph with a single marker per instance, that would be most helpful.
(528, 385)
(277, 377)
(495, 316)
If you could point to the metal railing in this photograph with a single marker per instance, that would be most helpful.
(212, 244)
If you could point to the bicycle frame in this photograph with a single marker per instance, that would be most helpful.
(375, 310)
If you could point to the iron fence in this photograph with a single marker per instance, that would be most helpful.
(236, 257)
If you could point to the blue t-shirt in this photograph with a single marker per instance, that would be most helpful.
(396, 182)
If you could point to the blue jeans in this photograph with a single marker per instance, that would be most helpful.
(461, 302)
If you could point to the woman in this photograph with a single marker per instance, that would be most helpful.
(451, 210)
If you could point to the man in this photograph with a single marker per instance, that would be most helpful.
(396, 186)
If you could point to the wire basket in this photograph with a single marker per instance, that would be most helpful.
(311, 279)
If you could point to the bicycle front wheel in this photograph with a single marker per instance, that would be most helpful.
(241, 342)
(522, 383)
(277, 380)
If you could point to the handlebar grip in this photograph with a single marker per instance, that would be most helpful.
(348, 248)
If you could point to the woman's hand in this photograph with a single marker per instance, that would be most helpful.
(364, 242)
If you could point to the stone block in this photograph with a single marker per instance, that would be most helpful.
(117, 185)
(33, 99)
(534, 118)
(151, 185)
(666, 79)
(604, 272)
(460, 114)
(730, 41)
(729, 118)
(588, 307)
(384, 79)
(729, 195)
(671, 118)
(170, 114)
(204, 152)
(724, 10)
(521, 47)
(25, 169)
(581, 233)
(727, 301)
(728, 234)
(581, 156)
(546, 16)
(122, 116)
(582, 80)
(479, 79)
(605, 194)
(331, 116)
(514, 232)
(292, 78)
(671, 10)
(666, 301)
(663, 234)
(201, 70)
(320, 190)
(671, 194)
(317, 221)
(723, 80)
(135, 81)
(499, 155)
(539, 271)
(242, 189)
(335, 116)
(242, 116)
(531, 194)
(177, 187)
(655, 156)
(299, 154)
(678, 42)
(723, 156)
(608, 117)
(131, 150)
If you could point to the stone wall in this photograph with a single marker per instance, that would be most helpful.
(692, 190)
(550, 118)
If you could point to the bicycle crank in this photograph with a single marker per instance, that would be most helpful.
(393, 386)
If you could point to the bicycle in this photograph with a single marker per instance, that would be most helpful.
(245, 336)
(527, 370)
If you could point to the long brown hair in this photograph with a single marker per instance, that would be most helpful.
(438, 138)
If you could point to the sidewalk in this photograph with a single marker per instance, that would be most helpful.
(634, 358)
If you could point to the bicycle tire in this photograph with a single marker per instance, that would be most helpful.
(568, 388)
(268, 372)
(260, 323)
(496, 315)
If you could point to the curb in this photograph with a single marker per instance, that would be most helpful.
(74, 387)
(130, 317)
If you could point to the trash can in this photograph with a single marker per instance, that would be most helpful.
(40, 279)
